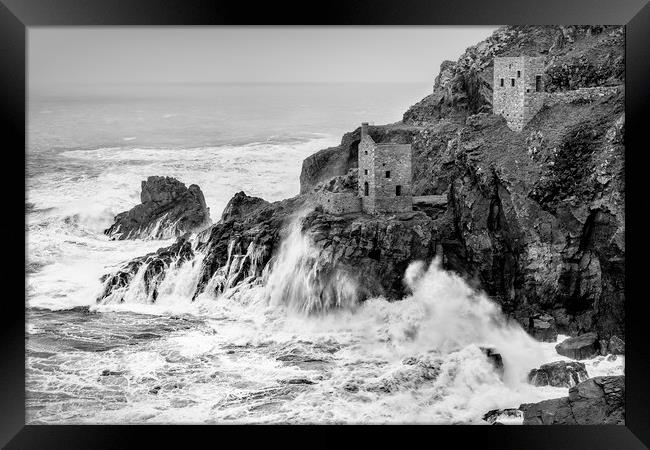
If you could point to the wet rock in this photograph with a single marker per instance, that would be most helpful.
(503, 416)
(558, 374)
(241, 205)
(297, 381)
(616, 346)
(155, 390)
(495, 358)
(596, 401)
(542, 327)
(168, 209)
(580, 347)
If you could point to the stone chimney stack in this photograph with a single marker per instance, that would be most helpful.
(364, 129)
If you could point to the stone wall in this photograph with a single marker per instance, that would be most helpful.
(515, 94)
(367, 173)
(581, 95)
(338, 202)
(385, 167)
(395, 159)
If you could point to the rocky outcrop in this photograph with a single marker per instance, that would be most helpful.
(596, 401)
(503, 416)
(242, 205)
(154, 265)
(536, 219)
(580, 347)
(558, 374)
(576, 57)
(240, 248)
(168, 209)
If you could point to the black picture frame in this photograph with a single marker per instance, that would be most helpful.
(17, 15)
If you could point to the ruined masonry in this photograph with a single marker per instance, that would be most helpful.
(384, 175)
(518, 90)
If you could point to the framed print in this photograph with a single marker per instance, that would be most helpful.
(364, 215)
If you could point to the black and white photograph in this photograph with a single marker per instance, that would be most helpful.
(325, 225)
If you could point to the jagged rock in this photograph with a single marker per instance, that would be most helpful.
(579, 347)
(168, 209)
(241, 205)
(558, 374)
(616, 346)
(464, 87)
(596, 401)
(499, 416)
(156, 263)
(542, 327)
(495, 358)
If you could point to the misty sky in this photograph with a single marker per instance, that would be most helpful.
(243, 54)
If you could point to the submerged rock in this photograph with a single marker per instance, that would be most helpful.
(495, 359)
(503, 416)
(168, 209)
(580, 347)
(558, 374)
(596, 401)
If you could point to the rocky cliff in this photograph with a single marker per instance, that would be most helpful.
(168, 209)
(535, 218)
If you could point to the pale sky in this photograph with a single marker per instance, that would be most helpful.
(80, 55)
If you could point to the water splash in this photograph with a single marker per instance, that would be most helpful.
(304, 281)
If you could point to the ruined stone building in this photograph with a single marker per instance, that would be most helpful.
(518, 90)
(384, 175)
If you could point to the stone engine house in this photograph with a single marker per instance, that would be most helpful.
(518, 90)
(384, 175)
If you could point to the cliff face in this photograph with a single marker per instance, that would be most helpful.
(538, 216)
(576, 56)
(535, 218)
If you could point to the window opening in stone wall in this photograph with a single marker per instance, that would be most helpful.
(365, 189)
(538, 83)
(388, 174)
(501, 82)
(519, 74)
(512, 81)
(398, 190)
(365, 171)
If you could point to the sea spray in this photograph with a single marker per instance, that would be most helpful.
(302, 280)
(455, 315)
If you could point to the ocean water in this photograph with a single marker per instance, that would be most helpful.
(249, 355)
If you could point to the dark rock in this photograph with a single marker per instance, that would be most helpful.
(616, 346)
(580, 347)
(107, 373)
(495, 358)
(558, 374)
(155, 390)
(168, 209)
(297, 381)
(542, 327)
(496, 416)
(242, 205)
(596, 401)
